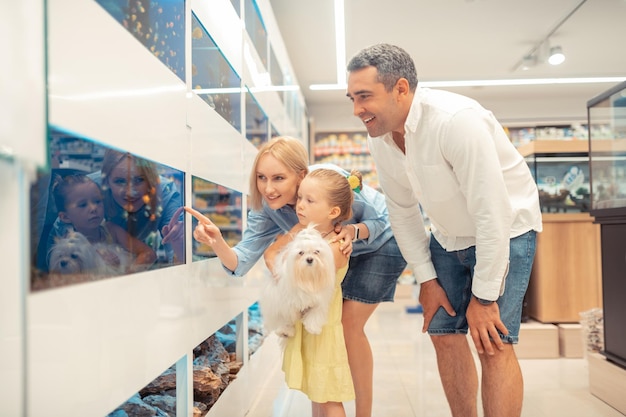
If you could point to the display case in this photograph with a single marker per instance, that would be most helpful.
(561, 170)
(562, 285)
(105, 340)
(607, 161)
(607, 147)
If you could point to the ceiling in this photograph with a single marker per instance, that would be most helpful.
(465, 40)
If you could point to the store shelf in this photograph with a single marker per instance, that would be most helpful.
(553, 147)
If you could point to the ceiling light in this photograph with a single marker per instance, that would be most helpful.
(556, 56)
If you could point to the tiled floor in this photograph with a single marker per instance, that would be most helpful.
(406, 382)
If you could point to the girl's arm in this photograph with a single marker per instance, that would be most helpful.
(143, 255)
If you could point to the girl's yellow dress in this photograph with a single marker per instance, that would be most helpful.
(317, 364)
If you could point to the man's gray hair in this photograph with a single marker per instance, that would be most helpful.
(392, 63)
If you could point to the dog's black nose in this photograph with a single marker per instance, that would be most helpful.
(309, 260)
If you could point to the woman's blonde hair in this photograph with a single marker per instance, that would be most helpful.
(338, 190)
(111, 159)
(287, 150)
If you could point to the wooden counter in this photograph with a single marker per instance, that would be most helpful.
(566, 275)
(552, 146)
(544, 146)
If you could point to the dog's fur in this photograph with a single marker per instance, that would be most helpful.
(74, 254)
(303, 285)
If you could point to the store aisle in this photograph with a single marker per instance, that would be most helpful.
(407, 383)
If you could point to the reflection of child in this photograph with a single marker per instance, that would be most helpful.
(80, 205)
(317, 364)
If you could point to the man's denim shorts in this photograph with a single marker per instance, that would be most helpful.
(455, 271)
(372, 277)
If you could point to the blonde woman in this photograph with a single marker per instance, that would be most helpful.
(375, 260)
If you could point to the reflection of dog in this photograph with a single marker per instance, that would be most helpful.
(305, 271)
(74, 254)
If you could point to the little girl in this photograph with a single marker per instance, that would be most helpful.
(81, 208)
(317, 364)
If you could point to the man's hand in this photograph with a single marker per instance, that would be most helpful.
(484, 322)
(346, 233)
(432, 296)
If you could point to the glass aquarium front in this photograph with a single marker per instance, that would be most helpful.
(607, 144)
(158, 24)
(100, 212)
(223, 207)
(562, 180)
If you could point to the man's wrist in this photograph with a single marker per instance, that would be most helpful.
(484, 302)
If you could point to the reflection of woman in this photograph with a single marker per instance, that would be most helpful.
(141, 202)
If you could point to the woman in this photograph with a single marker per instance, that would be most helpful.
(375, 260)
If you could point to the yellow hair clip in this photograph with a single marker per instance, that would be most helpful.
(354, 182)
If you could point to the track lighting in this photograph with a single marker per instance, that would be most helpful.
(528, 62)
(542, 50)
(556, 56)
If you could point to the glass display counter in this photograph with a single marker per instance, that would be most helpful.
(607, 161)
(607, 157)
(562, 285)
(561, 170)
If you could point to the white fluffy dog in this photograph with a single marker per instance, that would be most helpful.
(74, 254)
(303, 285)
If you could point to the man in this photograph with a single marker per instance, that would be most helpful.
(448, 154)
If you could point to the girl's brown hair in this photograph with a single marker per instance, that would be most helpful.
(289, 151)
(338, 190)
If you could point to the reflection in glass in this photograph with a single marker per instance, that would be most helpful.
(213, 79)
(256, 29)
(158, 24)
(90, 243)
(99, 212)
(223, 206)
(256, 121)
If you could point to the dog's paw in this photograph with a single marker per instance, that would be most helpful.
(313, 328)
(304, 311)
(286, 331)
